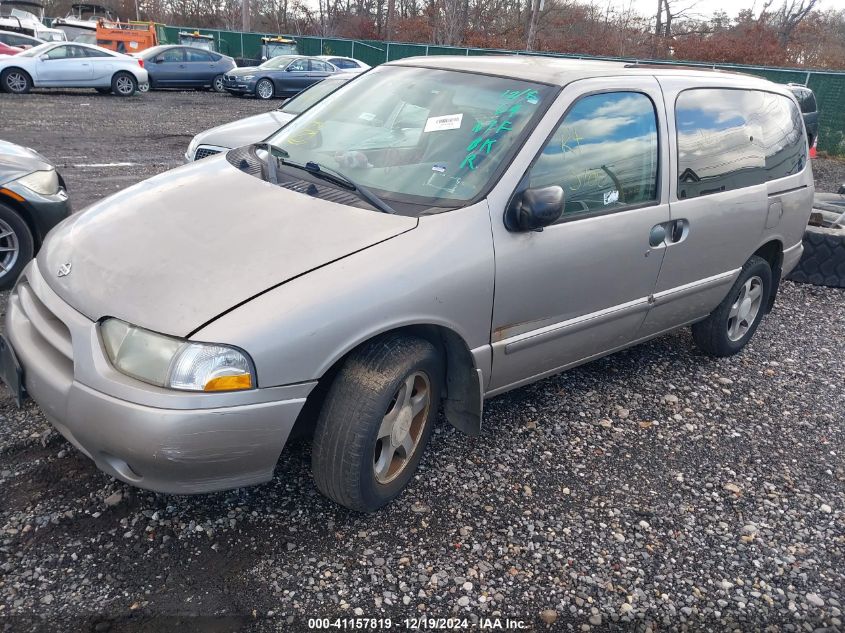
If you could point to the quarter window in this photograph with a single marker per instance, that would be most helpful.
(730, 139)
(603, 154)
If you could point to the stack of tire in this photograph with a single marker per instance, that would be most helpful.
(823, 261)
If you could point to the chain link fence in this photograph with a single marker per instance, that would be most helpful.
(829, 86)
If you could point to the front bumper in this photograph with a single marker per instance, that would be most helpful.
(46, 211)
(239, 87)
(173, 442)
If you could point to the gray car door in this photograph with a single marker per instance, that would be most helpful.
(168, 67)
(581, 287)
(200, 68)
(296, 76)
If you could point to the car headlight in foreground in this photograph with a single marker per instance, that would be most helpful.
(175, 363)
(44, 182)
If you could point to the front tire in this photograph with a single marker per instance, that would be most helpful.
(376, 421)
(17, 246)
(124, 84)
(264, 89)
(16, 81)
(732, 324)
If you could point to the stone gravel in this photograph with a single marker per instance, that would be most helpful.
(653, 490)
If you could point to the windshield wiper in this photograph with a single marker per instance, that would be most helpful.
(325, 173)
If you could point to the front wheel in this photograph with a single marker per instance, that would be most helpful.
(124, 84)
(732, 324)
(376, 420)
(16, 81)
(16, 246)
(264, 89)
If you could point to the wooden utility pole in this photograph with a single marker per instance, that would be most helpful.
(245, 15)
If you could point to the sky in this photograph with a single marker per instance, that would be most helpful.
(706, 8)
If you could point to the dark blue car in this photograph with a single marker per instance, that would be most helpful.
(185, 67)
(282, 76)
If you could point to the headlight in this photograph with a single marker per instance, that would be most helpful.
(246, 77)
(175, 363)
(44, 182)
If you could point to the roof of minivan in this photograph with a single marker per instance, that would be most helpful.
(557, 70)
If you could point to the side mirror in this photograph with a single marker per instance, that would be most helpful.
(44, 58)
(534, 209)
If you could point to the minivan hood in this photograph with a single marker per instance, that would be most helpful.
(245, 131)
(175, 251)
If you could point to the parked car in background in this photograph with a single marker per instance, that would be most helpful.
(438, 231)
(344, 63)
(185, 67)
(809, 111)
(19, 40)
(7, 50)
(258, 127)
(71, 65)
(280, 76)
(33, 199)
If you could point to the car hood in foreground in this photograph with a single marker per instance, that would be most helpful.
(175, 251)
(245, 131)
(17, 161)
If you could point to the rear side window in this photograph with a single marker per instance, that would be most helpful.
(198, 56)
(603, 154)
(343, 63)
(730, 139)
(808, 102)
(782, 138)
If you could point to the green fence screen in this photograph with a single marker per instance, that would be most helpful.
(829, 86)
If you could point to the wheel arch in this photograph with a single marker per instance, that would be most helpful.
(26, 215)
(463, 389)
(772, 252)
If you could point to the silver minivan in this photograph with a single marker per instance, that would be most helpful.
(434, 233)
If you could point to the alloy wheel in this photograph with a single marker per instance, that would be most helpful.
(402, 427)
(9, 248)
(144, 87)
(218, 84)
(16, 82)
(265, 89)
(124, 85)
(745, 308)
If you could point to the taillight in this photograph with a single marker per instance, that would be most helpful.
(140, 62)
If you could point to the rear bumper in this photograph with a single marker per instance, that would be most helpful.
(149, 437)
(791, 256)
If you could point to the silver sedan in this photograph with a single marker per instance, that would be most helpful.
(72, 65)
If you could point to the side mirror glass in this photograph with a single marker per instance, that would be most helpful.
(534, 209)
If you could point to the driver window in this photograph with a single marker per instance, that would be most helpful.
(603, 154)
(60, 52)
(171, 55)
(299, 65)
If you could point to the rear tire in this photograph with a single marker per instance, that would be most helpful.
(14, 234)
(15, 81)
(376, 421)
(823, 260)
(217, 84)
(732, 324)
(124, 84)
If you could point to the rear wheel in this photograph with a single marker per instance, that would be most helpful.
(124, 84)
(217, 84)
(732, 324)
(376, 420)
(264, 89)
(16, 81)
(16, 246)
(144, 87)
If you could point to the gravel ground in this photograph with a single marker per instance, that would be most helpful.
(653, 490)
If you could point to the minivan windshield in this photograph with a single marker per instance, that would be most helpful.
(421, 136)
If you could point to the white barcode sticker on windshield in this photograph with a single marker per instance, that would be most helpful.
(446, 122)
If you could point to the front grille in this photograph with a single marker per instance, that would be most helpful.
(205, 152)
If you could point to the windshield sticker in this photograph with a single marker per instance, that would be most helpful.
(447, 122)
(491, 132)
(610, 197)
(366, 116)
(440, 168)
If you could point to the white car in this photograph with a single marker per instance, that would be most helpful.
(72, 65)
(345, 64)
